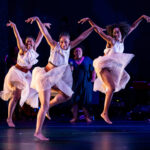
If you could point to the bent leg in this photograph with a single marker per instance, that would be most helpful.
(58, 99)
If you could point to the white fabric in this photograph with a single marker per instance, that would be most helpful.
(21, 80)
(61, 77)
(28, 59)
(117, 48)
(58, 56)
(115, 60)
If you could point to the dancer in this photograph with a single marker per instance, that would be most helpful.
(110, 68)
(83, 76)
(18, 79)
(57, 73)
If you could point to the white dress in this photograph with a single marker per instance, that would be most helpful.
(60, 76)
(21, 80)
(115, 60)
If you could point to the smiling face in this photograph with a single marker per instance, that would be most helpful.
(78, 53)
(29, 42)
(117, 34)
(64, 42)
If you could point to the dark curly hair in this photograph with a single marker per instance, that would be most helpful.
(123, 26)
(64, 34)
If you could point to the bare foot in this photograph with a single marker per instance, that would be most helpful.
(88, 120)
(106, 118)
(41, 137)
(10, 123)
(73, 120)
(48, 116)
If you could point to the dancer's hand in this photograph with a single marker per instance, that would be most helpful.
(147, 18)
(31, 19)
(10, 24)
(83, 20)
(48, 25)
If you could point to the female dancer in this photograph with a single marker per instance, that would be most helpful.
(110, 68)
(83, 76)
(57, 73)
(18, 79)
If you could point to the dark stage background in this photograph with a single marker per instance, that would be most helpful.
(63, 15)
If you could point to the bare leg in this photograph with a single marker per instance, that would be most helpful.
(11, 107)
(107, 78)
(48, 116)
(75, 113)
(44, 99)
(58, 99)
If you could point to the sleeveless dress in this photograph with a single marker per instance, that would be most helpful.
(116, 61)
(21, 80)
(60, 76)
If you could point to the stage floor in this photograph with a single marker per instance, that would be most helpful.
(124, 135)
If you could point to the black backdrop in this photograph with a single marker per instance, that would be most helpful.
(64, 14)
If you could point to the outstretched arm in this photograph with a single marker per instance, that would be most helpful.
(43, 30)
(99, 30)
(81, 37)
(40, 36)
(90, 22)
(137, 22)
(20, 44)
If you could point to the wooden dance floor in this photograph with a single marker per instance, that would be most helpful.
(81, 136)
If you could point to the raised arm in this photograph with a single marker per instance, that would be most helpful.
(40, 36)
(81, 37)
(20, 44)
(99, 30)
(43, 30)
(137, 22)
(90, 22)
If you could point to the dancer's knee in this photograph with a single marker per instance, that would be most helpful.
(111, 89)
(16, 96)
(45, 106)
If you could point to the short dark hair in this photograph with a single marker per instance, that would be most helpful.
(123, 26)
(30, 37)
(64, 34)
(80, 46)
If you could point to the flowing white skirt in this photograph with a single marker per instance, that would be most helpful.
(60, 77)
(20, 80)
(116, 63)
